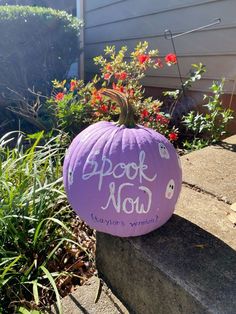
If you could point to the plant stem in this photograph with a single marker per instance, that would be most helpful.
(126, 109)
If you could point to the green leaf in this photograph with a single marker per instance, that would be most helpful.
(10, 266)
(23, 310)
(52, 282)
(35, 292)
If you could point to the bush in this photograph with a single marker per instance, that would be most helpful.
(76, 105)
(68, 5)
(37, 45)
(208, 128)
(37, 245)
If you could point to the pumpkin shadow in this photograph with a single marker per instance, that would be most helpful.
(188, 256)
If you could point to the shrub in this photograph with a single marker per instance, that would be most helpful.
(76, 105)
(209, 127)
(68, 5)
(37, 45)
(36, 236)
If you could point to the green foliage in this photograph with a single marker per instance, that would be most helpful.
(20, 13)
(195, 74)
(175, 98)
(37, 45)
(34, 217)
(208, 128)
(76, 105)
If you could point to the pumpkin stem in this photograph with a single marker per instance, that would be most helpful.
(126, 110)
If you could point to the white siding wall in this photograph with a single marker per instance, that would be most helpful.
(126, 22)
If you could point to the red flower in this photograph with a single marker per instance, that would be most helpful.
(118, 88)
(171, 59)
(143, 58)
(117, 76)
(59, 96)
(123, 76)
(173, 136)
(107, 76)
(161, 119)
(72, 85)
(108, 67)
(96, 96)
(144, 114)
(104, 108)
(131, 93)
(96, 114)
(159, 63)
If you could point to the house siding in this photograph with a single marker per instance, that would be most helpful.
(127, 22)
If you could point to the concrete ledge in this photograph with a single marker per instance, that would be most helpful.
(179, 268)
(213, 169)
(189, 265)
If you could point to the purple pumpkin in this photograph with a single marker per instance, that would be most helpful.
(121, 178)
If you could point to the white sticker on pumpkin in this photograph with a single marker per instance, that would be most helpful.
(70, 177)
(163, 151)
(170, 189)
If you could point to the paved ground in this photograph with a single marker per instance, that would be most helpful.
(213, 170)
(92, 298)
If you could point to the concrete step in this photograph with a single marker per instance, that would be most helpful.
(213, 169)
(188, 265)
(94, 297)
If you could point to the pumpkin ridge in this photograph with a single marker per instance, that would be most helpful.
(110, 139)
(77, 152)
(100, 139)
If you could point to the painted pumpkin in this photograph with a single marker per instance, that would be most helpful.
(121, 178)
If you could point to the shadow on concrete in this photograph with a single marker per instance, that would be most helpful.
(185, 267)
(73, 300)
(228, 146)
(82, 309)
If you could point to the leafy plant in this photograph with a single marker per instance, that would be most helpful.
(46, 37)
(177, 101)
(209, 127)
(35, 230)
(76, 105)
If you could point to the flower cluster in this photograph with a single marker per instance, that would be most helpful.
(151, 116)
(79, 104)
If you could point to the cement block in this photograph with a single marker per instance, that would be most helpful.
(208, 213)
(187, 266)
(213, 169)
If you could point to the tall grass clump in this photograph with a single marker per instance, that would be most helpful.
(34, 228)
